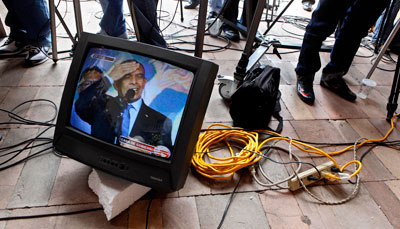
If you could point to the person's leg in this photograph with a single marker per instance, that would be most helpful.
(358, 20)
(15, 43)
(215, 8)
(34, 16)
(17, 30)
(322, 24)
(146, 16)
(113, 21)
(360, 17)
(231, 14)
(216, 5)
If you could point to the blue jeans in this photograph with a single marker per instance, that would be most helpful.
(356, 16)
(216, 5)
(113, 21)
(232, 11)
(28, 21)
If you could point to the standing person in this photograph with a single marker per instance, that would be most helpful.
(113, 21)
(215, 8)
(357, 18)
(126, 114)
(231, 13)
(29, 30)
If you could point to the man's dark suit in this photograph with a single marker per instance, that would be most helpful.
(104, 114)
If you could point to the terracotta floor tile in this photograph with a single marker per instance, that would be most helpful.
(297, 108)
(15, 97)
(13, 73)
(336, 107)
(195, 185)
(394, 185)
(45, 222)
(10, 176)
(46, 74)
(218, 109)
(180, 213)
(282, 210)
(383, 195)
(245, 211)
(5, 193)
(93, 219)
(3, 93)
(71, 185)
(137, 215)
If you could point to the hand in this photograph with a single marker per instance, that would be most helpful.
(117, 71)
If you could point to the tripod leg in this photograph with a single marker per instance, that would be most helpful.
(181, 5)
(394, 93)
(52, 9)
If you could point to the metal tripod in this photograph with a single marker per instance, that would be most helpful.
(249, 59)
(394, 93)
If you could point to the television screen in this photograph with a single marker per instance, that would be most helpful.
(155, 91)
(133, 110)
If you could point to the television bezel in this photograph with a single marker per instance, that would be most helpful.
(99, 153)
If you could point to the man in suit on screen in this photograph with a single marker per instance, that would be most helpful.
(123, 113)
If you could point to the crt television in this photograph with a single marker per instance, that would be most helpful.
(151, 142)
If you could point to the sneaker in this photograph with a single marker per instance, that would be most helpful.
(307, 6)
(124, 35)
(305, 91)
(192, 4)
(36, 55)
(212, 15)
(336, 84)
(11, 48)
(231, 33)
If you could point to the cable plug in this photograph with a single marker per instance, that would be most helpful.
(344, 176)
(330, 176)
(252, 170)
(335, 170)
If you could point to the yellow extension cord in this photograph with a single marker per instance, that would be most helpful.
(224, 168)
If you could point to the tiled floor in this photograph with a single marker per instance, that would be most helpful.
(48, 184)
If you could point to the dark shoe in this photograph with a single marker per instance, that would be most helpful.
(336, 84)
(192, 4)
(307, 6)
(305, 91)
(12, 48)
(37, 55)
(231, 34)
(212, 15)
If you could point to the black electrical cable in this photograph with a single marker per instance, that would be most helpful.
(49, 214)
(29, 147)
(13, 115)
(283, 163)
(230, 201)
(152, 196)
(148, 213)
(24, 159)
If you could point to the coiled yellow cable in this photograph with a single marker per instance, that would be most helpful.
(224, 168)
